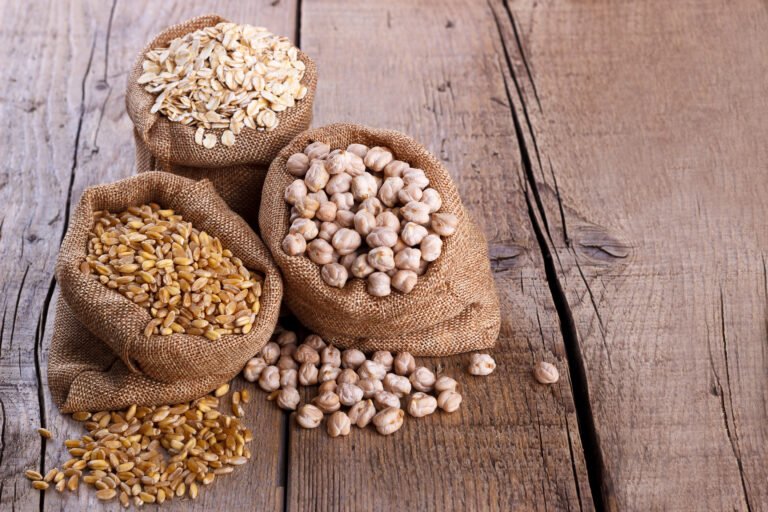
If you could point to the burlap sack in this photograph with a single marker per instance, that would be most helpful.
(99, 356)
(453, 308)
(237, 172)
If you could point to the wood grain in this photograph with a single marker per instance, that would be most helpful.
(514, 445)
(647, 129)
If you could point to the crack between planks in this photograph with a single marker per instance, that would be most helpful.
(573, 463)
(2, 330)
(2, 432)
(522, 52)
(298, 23)
(79, 130)
(39, 337)
(104, 84)
(733, 437)
(599, 482)
(16, 305)
(595, 308)
(285, 457)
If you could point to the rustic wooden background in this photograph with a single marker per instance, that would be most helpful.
(615, 154)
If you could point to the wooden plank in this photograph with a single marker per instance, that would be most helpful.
(435, 74)
(647, 151)
(39, 98)
(65, 95)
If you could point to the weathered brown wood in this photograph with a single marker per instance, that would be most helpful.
(65, 66)
(648, 152)
(435, 73)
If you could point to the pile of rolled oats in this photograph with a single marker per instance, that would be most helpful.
(359, 211)
(185, 278)
(353, 389)
(226, 77)
(146, 455)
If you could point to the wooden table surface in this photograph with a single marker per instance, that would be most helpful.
(615, 155)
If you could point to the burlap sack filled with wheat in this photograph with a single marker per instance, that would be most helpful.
(452, 309)
(238, 171)
(100, 357)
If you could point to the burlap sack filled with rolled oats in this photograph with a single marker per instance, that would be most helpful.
(453, 307)
(246, 142)
(103, 356)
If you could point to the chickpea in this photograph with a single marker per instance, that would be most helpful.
(334, 275)
(431, 247)
(369, 386)
(308, 374)
(408, 259)
(294, 244)
(395, 169)
(421, 404)
(307, 207)
(409, 193)
(327, 230)
(415, 177)
(326, 212)
(377, 158)
(339, 183)
(339, 424)
(381, 237)
(389, 420)
(331, 355)
(343, 200)
(381, 258)
(387, 219)
(349, 394)
(360, 267)
(345, 218)
(320, 251)
(297, 164)
(412, 233)
(306, 354)
(373, 205)
(363, 187)
(362, 412)
(346, 162)
(309, 416)
(389, 190)
(317, 150)
(422, 379)
(348, 259)
(431, 198)
(317, 177)
(352, 358)
(404, 281)
(295, 191)
(346, 241)
(358, 149)
(379, 284)
(444, 224)
(371, 370)
(364, 222)
(384, 358)
(404, 364)
(415, 211)
(304, 227)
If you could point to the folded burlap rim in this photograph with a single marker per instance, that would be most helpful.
(120, 323)
(174, 143)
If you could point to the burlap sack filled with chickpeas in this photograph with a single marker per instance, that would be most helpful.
(376, 250)
(244, 143)
(123, 263)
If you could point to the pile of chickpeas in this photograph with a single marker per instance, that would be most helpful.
(358, 211)
(354, 389)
